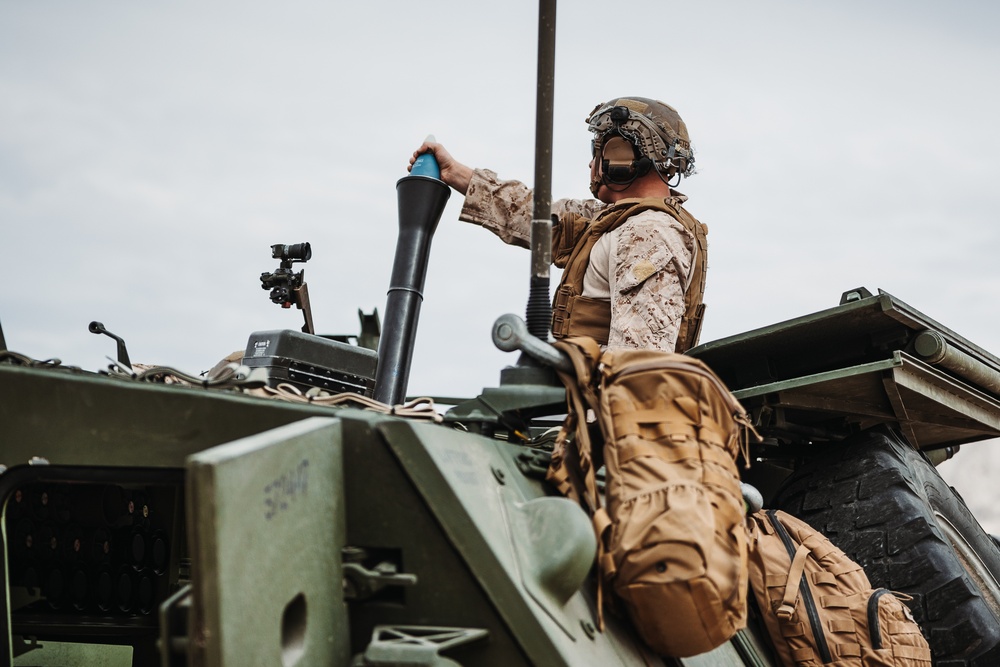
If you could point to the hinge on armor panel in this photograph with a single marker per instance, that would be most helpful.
(417, 645)
(174, 642)
(361, 583)
(534, 462)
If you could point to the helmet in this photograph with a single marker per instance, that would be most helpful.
(633, 135)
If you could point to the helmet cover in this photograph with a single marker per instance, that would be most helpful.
(653, 128)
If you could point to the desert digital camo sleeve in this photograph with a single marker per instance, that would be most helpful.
(505, 207)
(642, 267)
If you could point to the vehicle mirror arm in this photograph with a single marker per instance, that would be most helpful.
(510, 333)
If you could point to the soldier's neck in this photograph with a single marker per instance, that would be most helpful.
(642, 189)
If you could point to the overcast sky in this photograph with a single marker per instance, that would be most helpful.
(150, 154)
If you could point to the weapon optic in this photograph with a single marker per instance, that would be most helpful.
(288, 287)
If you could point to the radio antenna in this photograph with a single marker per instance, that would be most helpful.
(539, 311)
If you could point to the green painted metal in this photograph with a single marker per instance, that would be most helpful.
(416, 646)
(502, 406)
(450, 532)
(449, 536)
(497, 519)
(77, 418)
(61, 654)
(266, 523)
(833, 331)
(855, 366)
(465, 487)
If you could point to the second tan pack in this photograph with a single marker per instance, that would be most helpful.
(819, 606)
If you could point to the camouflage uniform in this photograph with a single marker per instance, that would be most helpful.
(643, 266)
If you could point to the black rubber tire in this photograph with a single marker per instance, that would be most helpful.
(886, 507)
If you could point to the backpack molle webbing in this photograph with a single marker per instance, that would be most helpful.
(818, 604)
(672, 542)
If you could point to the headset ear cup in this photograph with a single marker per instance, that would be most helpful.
(619, 174)
(642, 166)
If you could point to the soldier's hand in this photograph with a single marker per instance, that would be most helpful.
(453, 172)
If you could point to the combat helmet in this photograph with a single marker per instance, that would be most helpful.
(635, 134)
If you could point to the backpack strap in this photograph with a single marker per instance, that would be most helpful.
(791, 596)
(572, 467)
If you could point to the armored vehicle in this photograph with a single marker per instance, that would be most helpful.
(294, 508)
(151, 517)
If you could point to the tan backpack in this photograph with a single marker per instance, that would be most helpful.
(672, 541)
(818, 604)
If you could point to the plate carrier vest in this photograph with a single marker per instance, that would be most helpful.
(576, 315)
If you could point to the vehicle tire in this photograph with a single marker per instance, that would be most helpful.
(886, 507)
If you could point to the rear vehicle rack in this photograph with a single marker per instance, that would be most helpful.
(871, 360)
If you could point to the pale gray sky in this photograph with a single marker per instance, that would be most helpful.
(150, 153)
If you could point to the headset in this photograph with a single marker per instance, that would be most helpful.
(621, 160)
(630, 143)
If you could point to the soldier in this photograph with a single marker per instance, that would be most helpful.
(634, 259)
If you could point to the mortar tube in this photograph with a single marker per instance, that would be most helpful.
(421, 202)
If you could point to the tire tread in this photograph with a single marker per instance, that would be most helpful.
(870, 498)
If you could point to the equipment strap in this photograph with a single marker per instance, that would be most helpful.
(798, 566)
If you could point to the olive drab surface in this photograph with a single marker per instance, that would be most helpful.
(378, 535)
(819, 606)
(672, 541)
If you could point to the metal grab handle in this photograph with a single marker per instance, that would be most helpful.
(98, 328)
(510, 333)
